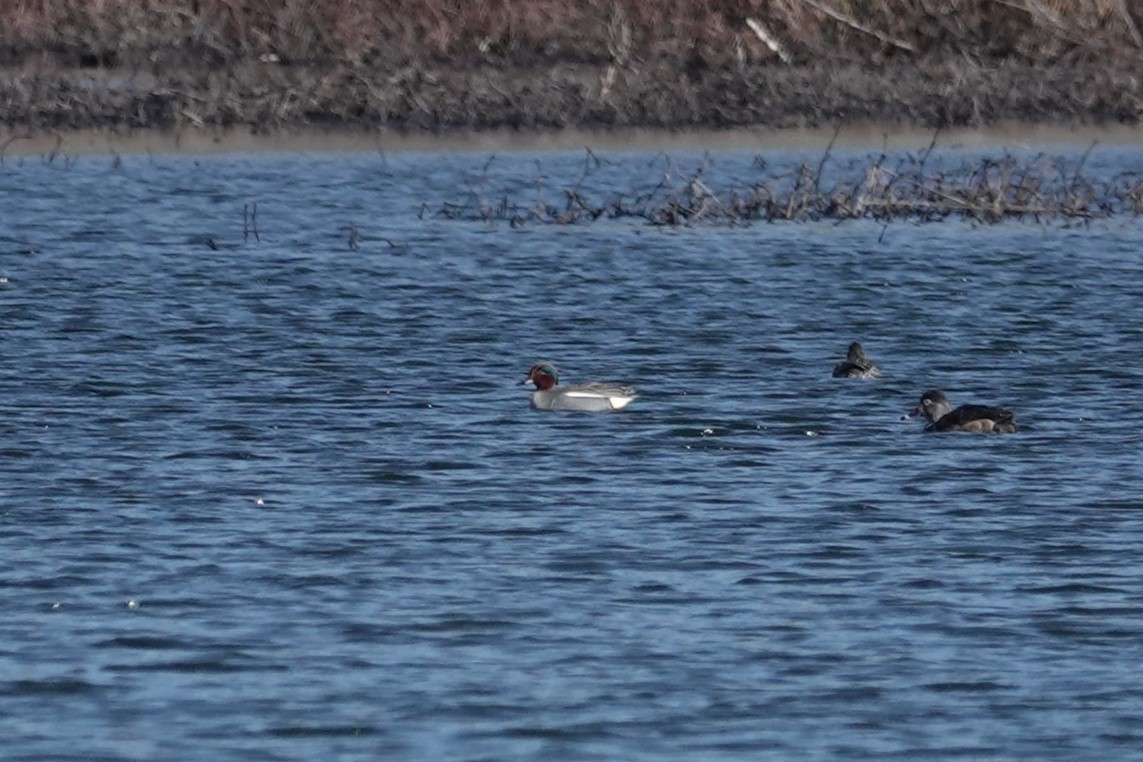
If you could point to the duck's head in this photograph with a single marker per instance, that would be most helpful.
(544, 376)
(855, 353)
(933, 406)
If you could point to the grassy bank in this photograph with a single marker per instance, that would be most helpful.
(436, 64)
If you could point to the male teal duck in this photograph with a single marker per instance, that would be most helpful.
(591, 397)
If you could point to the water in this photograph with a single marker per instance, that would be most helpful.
(284, 499)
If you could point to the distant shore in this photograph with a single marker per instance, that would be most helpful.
(270, 97)
(861, 137)
(407, 70)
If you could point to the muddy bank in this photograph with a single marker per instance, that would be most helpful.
(453, 65)
(271, 96)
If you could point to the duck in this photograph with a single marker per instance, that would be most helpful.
(590, 397)
(856, 365)
(935, 407)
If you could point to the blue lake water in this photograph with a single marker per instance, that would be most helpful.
(283, 497)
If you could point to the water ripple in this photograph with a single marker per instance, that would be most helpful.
(280, 498)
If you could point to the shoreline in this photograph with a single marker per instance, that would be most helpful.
(516, 75)
(893, 137)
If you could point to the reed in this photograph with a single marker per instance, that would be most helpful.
(988, 190)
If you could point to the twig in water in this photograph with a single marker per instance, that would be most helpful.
(928, 152)
(825, 158)
(1079, 167)
(55, 150)
(881, 237)
(250, 222)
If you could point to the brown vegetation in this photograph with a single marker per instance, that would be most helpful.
(908, 188)
(162, 33)
(547, 63)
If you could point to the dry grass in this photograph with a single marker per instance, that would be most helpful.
(699, 33)
(1039, 189)
(474, 64)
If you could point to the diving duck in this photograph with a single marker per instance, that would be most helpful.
(856, 365)
(937, 409)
